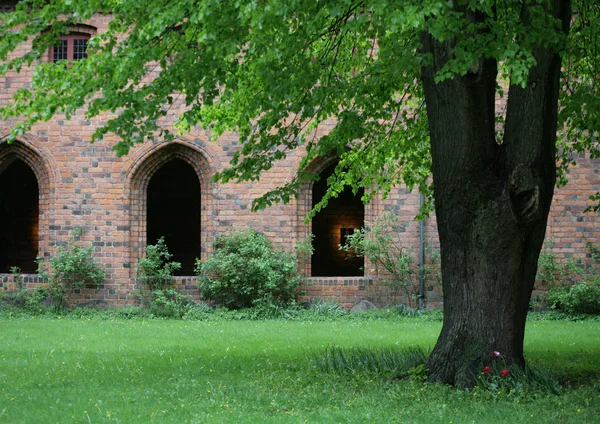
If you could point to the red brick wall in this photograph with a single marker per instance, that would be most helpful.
(86, 185)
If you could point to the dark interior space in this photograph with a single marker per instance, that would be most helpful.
(174, 212)
(19, 218)
(339, 218)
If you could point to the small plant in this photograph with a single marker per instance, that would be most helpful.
(418, 373)
(245, 271)
(156, 270)
(594, 252)
(17, 278)
(494, 380)
(329, 308)
(380, 247)
(170, 303)
(73, 267)
(32, 299)
(501, 379)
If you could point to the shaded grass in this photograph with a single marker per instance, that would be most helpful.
(395, 363)
(130, 371)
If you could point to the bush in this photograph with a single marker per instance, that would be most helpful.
(580, 298)
(30, 300)
(553, 273)
(169, 303)
(155, 270)
(380, 247)
(245, 271)
(72, 268)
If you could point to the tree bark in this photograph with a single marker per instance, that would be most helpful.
(492, 202)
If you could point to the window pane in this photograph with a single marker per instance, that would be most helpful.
(79, 48)
(60, 51)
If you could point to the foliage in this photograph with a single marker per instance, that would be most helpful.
(379, 244)
(24, 298)
(170, 303)
(17, 277)
(244, 270)
(30, 300)
(305, 249)
(358, 61)
(72, 268)
(324, 307)
(418, 373)
(594, 252)
(580, 298)
(553, 273)
(571, 288)
(503, 380)
(155, 270)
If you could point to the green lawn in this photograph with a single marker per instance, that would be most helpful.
(137, 371)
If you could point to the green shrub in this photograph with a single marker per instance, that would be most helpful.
(580, 298)
(73, 267)
(30, 300)
(198, 312)
(245, 271)
(17, 277)
(554, 273)
(379, 245)
(170, 303)
(155, 270)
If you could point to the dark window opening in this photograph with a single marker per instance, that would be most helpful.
(79, 49)
(7, 6)
(19, 218)
(344, 234)
(330, 226)
(174, 212)
(70, 47)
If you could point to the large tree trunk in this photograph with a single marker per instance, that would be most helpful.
(492, 202)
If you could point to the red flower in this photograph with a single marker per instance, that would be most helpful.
(487, 370)
(504, 373)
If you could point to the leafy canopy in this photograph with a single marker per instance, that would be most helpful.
(275, 70)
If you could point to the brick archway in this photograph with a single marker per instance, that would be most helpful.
(147, 166)
(305, 205)
(24, 153)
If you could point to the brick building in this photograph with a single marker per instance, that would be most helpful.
(52, 180)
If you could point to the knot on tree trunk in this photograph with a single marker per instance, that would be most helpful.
(524, 193)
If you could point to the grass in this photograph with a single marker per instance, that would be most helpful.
(82, 370)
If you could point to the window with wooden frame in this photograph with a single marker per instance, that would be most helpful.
(70, 47)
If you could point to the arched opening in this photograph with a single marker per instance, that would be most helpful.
(174, 212)
(342, 216)
(19, 217)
